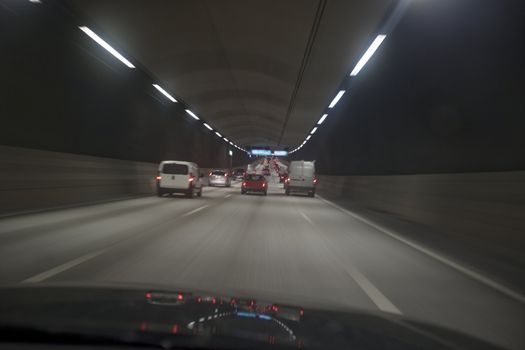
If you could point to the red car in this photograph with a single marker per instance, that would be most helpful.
(254, 183)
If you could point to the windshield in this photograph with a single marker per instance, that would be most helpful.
(364, 157)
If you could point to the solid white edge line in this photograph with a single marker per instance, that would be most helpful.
(378, 298)
(478, 277)
(373, 293)
(61, 268)
(195, 210)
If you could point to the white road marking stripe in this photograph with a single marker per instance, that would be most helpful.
(228, 196)
(373, 293)
(478, 277)
(194, 211)
(61, 268)
(306, 217)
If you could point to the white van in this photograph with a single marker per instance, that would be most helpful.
(179, 177)
(301, 178)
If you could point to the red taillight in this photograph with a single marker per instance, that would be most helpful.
(158, 178)
(287, 180)
(315, 181)
(148, 295)
(210, 174)
(301, 312)
(264, 184)
(175, 329)
(244, 183)
(180, 296)
(191, 179)
(199, 300)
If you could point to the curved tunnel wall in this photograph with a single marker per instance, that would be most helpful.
(61, 92)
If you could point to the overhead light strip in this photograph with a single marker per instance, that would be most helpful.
(209, 127)
(106, 46)
(322, 119)
(164, 92)
(192, 114)
(336, 98)
(373, 47)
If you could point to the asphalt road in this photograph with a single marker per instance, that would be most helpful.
(291, 249)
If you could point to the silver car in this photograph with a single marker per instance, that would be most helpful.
(219, 178)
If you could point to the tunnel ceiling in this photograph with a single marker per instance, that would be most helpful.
(260, 71)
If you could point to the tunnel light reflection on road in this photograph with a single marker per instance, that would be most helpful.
(106, 46)
(373, 47)
(336, 98)
(192, 114)
(165, 93)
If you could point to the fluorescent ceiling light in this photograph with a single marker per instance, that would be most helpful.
(192, 114)
(313, 131)
(373, 47)
(225, 139)
(336, 98)
(322, 119)
(105, 45)
(35, 1)
(231, 143)
(209, 127)
(308, 137)
(165, 93)
(217, 133)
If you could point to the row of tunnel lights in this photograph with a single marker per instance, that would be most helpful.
(360, 64)
(128, 64)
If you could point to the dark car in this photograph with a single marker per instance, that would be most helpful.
(254, 183)
(116, 317)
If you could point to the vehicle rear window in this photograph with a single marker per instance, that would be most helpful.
(173, 168)
(254, 177)
(220, 173)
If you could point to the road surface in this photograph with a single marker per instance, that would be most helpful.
(292, 249)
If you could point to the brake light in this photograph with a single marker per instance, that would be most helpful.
(244, 183)
(180, 297)
(315, 181)
(158, 178)
(287, 179)
(210, 174)
(191, 179)
(264, 184)
(301, 312)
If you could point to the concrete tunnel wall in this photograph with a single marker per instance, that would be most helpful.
(481, 214)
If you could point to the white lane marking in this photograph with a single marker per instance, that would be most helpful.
(478, 277)
(194, 211)
(373, 293)
(61, 268)
(228, 195)
(306, 217)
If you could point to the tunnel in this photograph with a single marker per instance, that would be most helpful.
(407, 114)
